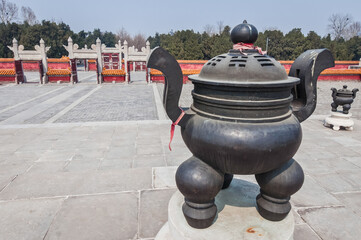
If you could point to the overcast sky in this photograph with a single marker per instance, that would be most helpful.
(151, 16)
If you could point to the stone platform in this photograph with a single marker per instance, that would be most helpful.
(338, 120)
(237, 218)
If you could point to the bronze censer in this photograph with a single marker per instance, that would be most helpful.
(245, 119)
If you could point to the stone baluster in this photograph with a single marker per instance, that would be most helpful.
(120, 54)
(19, 73)
(126, 61)
(15, 49)
(70, 49)
(100, 60)
(43, 51)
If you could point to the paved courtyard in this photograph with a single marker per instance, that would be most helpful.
(91, 161)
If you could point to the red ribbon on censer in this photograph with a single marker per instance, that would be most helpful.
(245, 46)
(172, 128)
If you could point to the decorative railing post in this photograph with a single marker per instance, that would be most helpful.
(120, 54)
(15, 49)
(19, 72)
(43, 50)
(70, 49)
(100, 60)
(126, 61)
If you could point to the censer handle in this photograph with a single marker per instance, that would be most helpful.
(308, 67)
(161, 60)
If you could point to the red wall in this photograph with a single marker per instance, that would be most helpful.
(31, 66)
(7, 65)
(58, 65)
(92, 66)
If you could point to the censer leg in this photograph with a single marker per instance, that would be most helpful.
(227, 180)
(199, 183)
(276, 188)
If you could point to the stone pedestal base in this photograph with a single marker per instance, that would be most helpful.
(338, 120)
(237, 218)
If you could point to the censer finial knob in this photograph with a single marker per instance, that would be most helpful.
(244, 33)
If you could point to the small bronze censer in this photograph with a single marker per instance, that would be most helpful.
(245, 119)
(343, 97)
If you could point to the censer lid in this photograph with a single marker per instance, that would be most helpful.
(344, 91)
(245, 64)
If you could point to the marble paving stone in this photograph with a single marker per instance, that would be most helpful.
(355, 160)
(27, 219)
(148, 161)
(176, 159)
(33, 155)
(149, 149)
(297, 217)
(5, 180)
(47, 167)
(340, 181)
(79, 166)
(347, 141)
(164, 177)
(120, 163)
(109, 216)
(347, 153)
(83, 155)
(333, 222)
(304, 232)
(249, 178)
(312, 194)
(351, 200)
(120, 152)
(34, 185)
(153, 209)
(321, 166)
(53, 156)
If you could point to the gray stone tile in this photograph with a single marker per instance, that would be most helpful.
(120, 152)
(351, 200)
(304, 232)
(332, 165)
(333, 222)
(154, 210)
(340, 181)
(148, 161)
(35, 185)
(47, 167)
(120, 163)
(312, 194)
(164, 177)
(5, 180)
(109, 216)
(176, 159)
(347, 141)
(298, 219)
(355, 160)
(27, 219)
(115, 103)
(51, 156)
(80, 166)
(149, 149)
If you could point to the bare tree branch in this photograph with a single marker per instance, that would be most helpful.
(338, 25)
(28, 15)
(220, 27)
(209, 29)
(139, 41)
(353, 30)
(8, 11)
(122, 35)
